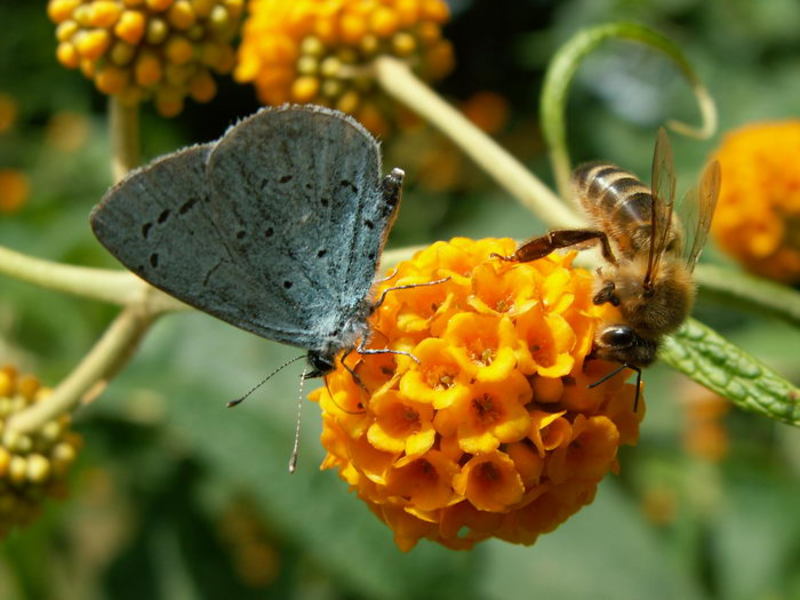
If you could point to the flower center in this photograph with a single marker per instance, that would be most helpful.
(439, 378)
(485, 409)
(503, 305)
(483, 356)
(489, 472)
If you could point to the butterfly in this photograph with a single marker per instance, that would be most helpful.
(277, 227)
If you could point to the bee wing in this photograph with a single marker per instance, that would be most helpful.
(662, 183)
(703, 199)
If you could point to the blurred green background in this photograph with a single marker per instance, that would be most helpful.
(174, 496)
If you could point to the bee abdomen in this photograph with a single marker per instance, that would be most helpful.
(606, 189)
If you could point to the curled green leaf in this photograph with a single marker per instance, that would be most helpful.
(702, 354)
(567, 60)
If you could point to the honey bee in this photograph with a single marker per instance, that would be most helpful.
(649, 258)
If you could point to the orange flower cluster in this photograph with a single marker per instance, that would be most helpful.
(488, 428)
(14, 190)
(138, 49)
(705, 435)
(319, 50)
(32, 466)
(758, 213)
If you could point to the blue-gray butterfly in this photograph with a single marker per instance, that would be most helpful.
(276, 228)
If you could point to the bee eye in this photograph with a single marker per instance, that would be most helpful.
(618, 336)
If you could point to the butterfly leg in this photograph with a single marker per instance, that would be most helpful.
(362, 350)
(388, 277)
(352, 372)
(358, 381)
(554, 240)
(406, 287)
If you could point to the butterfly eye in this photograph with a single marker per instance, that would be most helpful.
(617, 336)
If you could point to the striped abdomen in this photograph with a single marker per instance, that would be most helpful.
(617, 203)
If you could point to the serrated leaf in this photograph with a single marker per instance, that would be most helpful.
(704, 355)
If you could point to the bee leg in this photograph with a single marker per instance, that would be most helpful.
(606, 294)
(554, 240)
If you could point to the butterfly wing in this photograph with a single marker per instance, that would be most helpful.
(202, 224)
(298, 199)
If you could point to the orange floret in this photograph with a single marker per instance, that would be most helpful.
(490, 430)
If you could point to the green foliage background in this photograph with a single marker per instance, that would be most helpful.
(167, 469)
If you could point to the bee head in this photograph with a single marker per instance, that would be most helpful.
(657, 307)
(620, 343)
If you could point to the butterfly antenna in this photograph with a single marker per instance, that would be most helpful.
(296, 447)
(232, 403)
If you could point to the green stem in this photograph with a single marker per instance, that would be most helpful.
(397, 79)
(123, 126)
(110, 353)
(116, 287)
(562, 69)
(749, 292)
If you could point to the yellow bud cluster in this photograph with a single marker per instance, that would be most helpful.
(33, 466)
(319, 50)
(142, 49)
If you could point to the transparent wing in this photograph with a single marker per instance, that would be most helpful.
(703, 199)
(662, 183)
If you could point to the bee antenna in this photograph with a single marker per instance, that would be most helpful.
(608, 376)
(638, 388)
(237, 401)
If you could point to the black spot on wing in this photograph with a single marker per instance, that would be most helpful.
(154, 260)
(146, 229)
(163, 216)
(349, 184)
(187, 206)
